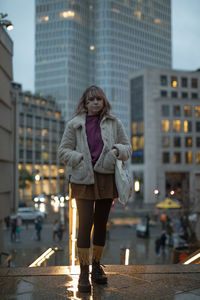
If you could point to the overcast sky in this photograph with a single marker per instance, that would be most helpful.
(185, 37)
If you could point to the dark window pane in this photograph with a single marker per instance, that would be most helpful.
(198, 126)
(176, 110)
(174, 94)
(194, 83)
(163, 93)
(165, 110)
(177, 141)
(194, 95)
(163, 80)
(184, 95)
(184, 82)
(198, 142)
(165, 141)
(165, 157)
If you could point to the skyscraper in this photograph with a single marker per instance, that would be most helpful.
(84, 42)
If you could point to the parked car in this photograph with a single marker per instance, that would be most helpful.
(42, 198)
(29, 214)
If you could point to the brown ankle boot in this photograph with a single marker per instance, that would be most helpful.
(84, 285)
(98, 274)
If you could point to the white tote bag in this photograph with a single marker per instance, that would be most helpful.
(123, 182)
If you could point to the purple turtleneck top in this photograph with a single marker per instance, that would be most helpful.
(94, 138)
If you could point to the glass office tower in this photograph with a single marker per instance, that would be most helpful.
(84, 42)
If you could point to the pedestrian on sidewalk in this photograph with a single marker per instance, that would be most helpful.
(38, 228)
(13, 230)
(92, 142)
(55, 229)
(18, 228)
(163, 242)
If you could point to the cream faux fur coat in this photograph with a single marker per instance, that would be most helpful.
(74, 150)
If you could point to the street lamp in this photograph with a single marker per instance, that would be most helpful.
(9, 26)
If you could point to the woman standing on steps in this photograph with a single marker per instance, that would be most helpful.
(91, 143)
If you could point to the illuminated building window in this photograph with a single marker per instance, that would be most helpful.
(188, 142)
(176, 110)
(29, 143)
(44, 102)
(174, 82)
(29, 131)
(184, 82)
(45, 132)
(197, 126)
(57, 115)
(187, 126)
(54, 171)
(134, 128)
(134, 143)
(177, 141)
(165, 110)
(37, 101)
(46, 170)
(184, 95)
(67, 14)
(138, 14)
(165, 125)
(197, 111)
(194, 83)
(45, 156)
(194, 95)
(198, 142)
(165, 141)
(141, 143)
(166, 157)
(176, 125)
(198, 157)
(21, 142)
(163, 80)
(188, 157)
(21, 130)
(177, 158)
(26, 99)
(187, 110)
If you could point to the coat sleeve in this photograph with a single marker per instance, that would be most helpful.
(123, 145)
(66, 151)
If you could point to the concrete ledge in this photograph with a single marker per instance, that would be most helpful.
(154, 282)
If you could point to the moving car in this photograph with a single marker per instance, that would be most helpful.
(29, 214)
(42, 198)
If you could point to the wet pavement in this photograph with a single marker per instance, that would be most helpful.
(162, 282)
(121, 236)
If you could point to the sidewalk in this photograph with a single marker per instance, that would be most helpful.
(175, 282)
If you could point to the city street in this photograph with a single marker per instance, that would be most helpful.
(142, 250)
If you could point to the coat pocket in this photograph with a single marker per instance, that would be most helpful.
(79, 171)
(109, 161)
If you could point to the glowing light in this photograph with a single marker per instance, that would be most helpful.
(10, 27)
(37, 177)
(174, 83)
(92, 47)
(127, 254)
(137, 186)
(42, 257)
(172, 192)
(138, 14)
(190, 260)
(73, 236)
(67, 14)
(157, 21)
(156, 191)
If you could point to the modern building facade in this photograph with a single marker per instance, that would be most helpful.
(39, 128)
(8, 176)
(84, 42)
(165, 117)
